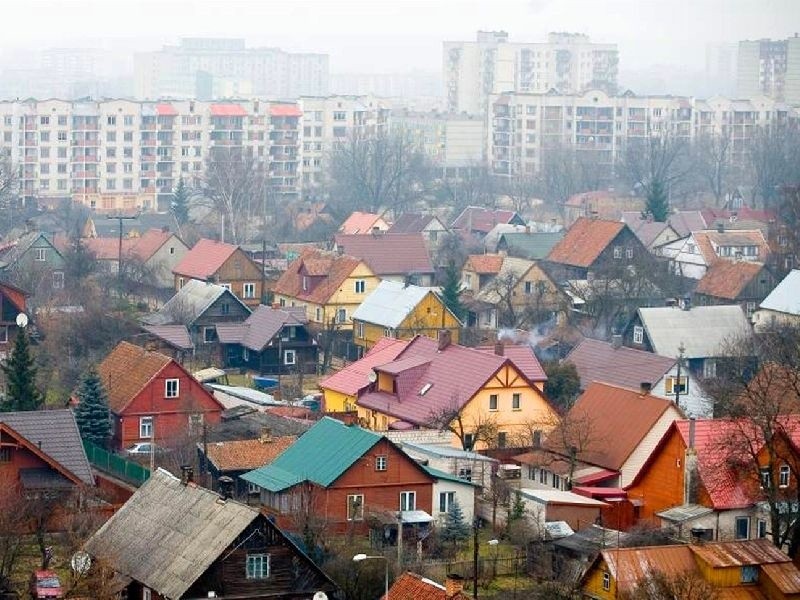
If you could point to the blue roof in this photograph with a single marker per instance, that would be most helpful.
(321, 455)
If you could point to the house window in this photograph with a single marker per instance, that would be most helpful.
(628, 252)
(5, 455)
(209, 335)
(543, 476)
(355, 507)
(41, 254)
(360, 286)
(282, 302)
(318, 314)
(58, 280)
(227, 286)
(146, 594)
(446, 500)
(172, 388)
(253, 488)
(765, 478)
(638, 334)
(465, 473)
(709, 368)
(606, 581)
(556, 481)
(515, 401)
(257, 566)
(289, 357)
(528, 287)
(672, 386)
(225, 308)
(617, 252)
(502, 439)
(783, 476)
(359, 329)
(196, 422)
(145, 427)
(762, 528)
(742, 528)
(493, 402)
(408, 501)
(245, 354)
(469, 440)
(341, 315)
(751, 308)
(380, 463)
(749, 574)
(181, 282)
(4, 334)
(249, 290)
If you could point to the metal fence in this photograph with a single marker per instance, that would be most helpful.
(115, 465)
(488, 567)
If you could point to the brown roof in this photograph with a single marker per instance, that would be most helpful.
(706, 240)
(410, 586)
(629, 566)
(739, 554)
(785, 576)
(244, 455)
(728, 279)
(623, 366)
(389, 253)
(127, 370)
(311, 262)
(478, 218)
(484, 263)
(585, 241)
(204, 259)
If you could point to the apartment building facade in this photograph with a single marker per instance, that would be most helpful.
(770, 67)
(567, 62)
(523, 126)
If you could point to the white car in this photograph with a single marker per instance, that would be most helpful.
(144, 448)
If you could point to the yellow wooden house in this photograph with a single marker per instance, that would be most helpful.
(330, 286)
(485, 397)
(402, 311)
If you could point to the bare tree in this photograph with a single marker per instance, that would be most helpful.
(472, 186)
(470, 431)
(689, 585)
(522, 190)
(774, 157)
(12, 539)
(713, 156)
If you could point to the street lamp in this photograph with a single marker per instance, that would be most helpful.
(361, 557)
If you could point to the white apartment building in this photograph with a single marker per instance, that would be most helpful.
(192, 70)
(119, 154)
(331, 119)
(771, 68)
(567, 62)
(523, 126)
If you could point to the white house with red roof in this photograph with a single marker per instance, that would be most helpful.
(363, 223)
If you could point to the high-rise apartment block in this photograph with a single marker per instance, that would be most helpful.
(208, 68)
(567, 63)
(771, 68)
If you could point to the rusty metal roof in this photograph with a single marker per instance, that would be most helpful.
(739, 554)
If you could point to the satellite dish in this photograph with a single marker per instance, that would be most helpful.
(320, 596)
(372, 376)
(22, 320)
(80, 562)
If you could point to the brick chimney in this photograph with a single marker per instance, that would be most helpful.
(187, 474)
(266, 435)
(444, 339)
(453, 585)
(645, 387)
(499, 348)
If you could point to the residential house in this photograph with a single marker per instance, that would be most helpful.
(234, 458)
(600, 204)
(782, 305)
(530, 245)
(244, 422)
(430, 226)
(348, 477)
(32, 262)
(13, 302)
(597, 248)
(547, 505)
(479, 270)
(362, 223)
(402, 311)
(449, 489)
(401, 257)
(341, 389)
(464, 464)
(224, 264)
(270, 341)
(330, 286)
(652, 234)
(201, 307)
(479, 221)
(692, 256)
(748, 569)
(744, 283)
(619, 365)
(437, 384)
(410, 586)
(699, 333)
(175, 539)
(153, 398)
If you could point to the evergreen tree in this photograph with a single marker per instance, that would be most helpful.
(456, 529)
(657, 203)
(179, 207)
(517, 510)
(563, 384)
(20, 372)
(92, 413)
(451, 291)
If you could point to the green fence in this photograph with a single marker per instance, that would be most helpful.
(117, 466)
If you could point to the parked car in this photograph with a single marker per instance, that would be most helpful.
(144, 448)
(46, 585)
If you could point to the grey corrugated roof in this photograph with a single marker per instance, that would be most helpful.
(175, 335)
(533, 246)
(261, 326)
(596, 360)
(446, 452)
(168, 534)
(785, 297)
(390, 303)
(56, 432)
(703, 330)
(188, 303)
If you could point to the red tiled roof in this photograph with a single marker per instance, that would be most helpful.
(149, 242)
(127, 370)
(285, 110)
(728, 279)
(410, 586)
(353, 377)
(474, 218)
(166, 110)
(329, 270)
(585, 241)
(389, 253)
(204, 259)
(484, 263)
(243, 455)
(228, 110)
(359, 223)
(626, 367)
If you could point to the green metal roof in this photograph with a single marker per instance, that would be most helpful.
(447, 476)
(320, 455)
(533, 246)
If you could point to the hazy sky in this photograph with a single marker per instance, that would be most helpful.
(381, 35)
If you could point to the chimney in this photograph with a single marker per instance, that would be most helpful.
(498, 348)
(537, 438)
(616, 341)
(444, 339)
(225, 487)
(645, 387)
(690, 480)
(453, 585)
(266, 435)
(720, 227)
(691, 433)
(187, 474)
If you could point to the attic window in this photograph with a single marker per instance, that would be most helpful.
(425, 388)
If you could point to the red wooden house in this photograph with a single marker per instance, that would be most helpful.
(12, 303)
(153, 398)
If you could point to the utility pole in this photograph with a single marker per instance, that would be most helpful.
(120, 219)
(475, 558)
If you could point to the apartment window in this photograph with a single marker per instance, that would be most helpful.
(249, 290)
(58, 280)
(381, 462)
(45, 168)
(111, 168)
(493, 402)
(127, 136)
(62, 153)
(44, 136)
(446, 500)
(209, 335)
(172, 388)
(408, 501)
(556, 481)
(111, 120)
(765, 478)
(360, 285)
(515, 401)
(111, 184)
(606, 581)
(289, 357)
(339, 132)
(257, 566)
(61, 136)
(61, 168)
(339, 115)
(41, 254)
(44, 120)
(672, 386)
(543, 476)
(638, 334)
(127, 184)
(355, 507)
(783, 476)
(145, 427)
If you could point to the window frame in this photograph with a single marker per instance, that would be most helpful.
(494, 402)
(784, 470)
(287, 354)
(606, 581)
(248, 290)
(40, 255)
(4, 334)
(670, 381)
(213, 331)
(638, 334)
(358, 510)
(167, 384)
(736, 534)
(262, 562)
(360, 286)
(381, 462)
(408, 499)
(146, 422)
(446, 500)
(5, 454)
(516, 401)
